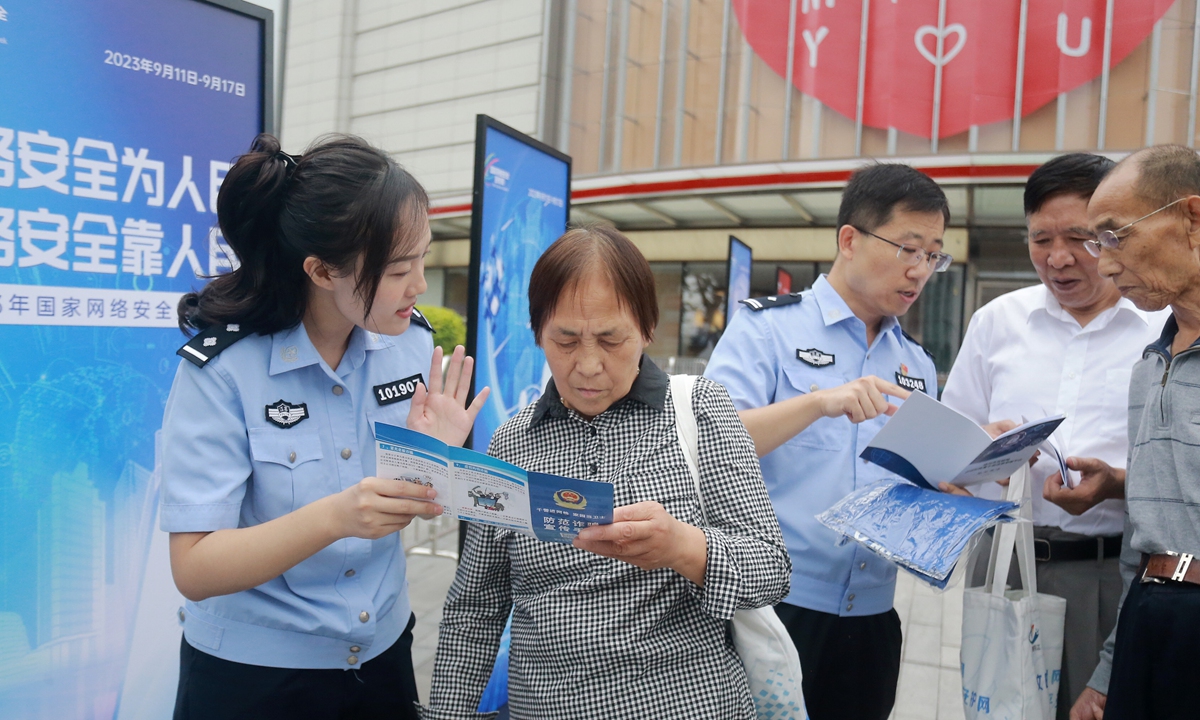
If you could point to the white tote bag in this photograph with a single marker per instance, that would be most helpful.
(762, 642)
(1012, 641)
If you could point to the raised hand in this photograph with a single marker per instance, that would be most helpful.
(861, 399)
(441, 410)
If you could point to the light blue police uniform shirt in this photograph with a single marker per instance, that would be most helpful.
(757, 361)
(227, 465)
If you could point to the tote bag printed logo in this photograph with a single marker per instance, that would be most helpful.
(975, 48)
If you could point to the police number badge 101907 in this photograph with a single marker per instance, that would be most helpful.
(397, 390)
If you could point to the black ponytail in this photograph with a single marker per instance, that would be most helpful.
(341, 200)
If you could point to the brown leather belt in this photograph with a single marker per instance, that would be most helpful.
(1171, 566)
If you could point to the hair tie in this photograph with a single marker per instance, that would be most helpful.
(292, 161)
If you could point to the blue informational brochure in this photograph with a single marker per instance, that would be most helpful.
(927, 443)
(478, 488)
(922, 531)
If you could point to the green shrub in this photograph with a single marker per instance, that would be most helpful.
(450, 326)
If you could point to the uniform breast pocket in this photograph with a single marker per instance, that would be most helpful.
(826, 433)
(282, 460)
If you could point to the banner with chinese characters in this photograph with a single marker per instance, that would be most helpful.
(118, 121)
(959, 56)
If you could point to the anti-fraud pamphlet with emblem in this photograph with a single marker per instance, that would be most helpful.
(926, 443)
(478, 488)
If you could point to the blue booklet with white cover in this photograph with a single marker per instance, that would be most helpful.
(479, 488)
(928, 443)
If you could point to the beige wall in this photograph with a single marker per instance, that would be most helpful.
(410, 76)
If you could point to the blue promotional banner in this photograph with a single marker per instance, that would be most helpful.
(118, 121)
(521, 205)
(741, 262)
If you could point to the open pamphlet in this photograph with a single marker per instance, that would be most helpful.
(926, 443)
(478, 488)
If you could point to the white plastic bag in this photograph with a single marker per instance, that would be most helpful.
(762, 642)
(1012, 640)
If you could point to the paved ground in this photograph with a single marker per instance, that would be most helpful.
(930, 686)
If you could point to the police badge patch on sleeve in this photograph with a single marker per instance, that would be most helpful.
(815, 357)
(397, 390)
(285, 415)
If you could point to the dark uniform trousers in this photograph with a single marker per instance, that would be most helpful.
(1156, 662)
(383, 688)
(851, 664)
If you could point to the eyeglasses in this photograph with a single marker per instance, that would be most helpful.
(913, 255)
(1111, 239)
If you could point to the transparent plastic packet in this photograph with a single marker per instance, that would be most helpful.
(923, 531)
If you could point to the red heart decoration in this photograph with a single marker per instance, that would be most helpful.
(978, 54)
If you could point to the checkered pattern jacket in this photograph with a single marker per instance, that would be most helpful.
(594, 637)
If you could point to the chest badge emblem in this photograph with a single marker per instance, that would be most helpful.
(285, 415)
(815, 357)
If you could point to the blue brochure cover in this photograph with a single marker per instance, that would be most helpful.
(478, 488)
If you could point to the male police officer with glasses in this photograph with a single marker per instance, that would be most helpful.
(810, 374)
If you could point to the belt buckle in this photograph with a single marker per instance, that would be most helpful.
(1181, 568)
(1147, 579)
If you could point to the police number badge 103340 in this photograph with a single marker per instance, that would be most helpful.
(904, 380)
(397, 390)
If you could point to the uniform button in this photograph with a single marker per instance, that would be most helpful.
(364, 616)
(849, 607)
(291, 457)
(861, 566)
(338, 389)
(850, 597)
(814, 387)
(350, 572)
(181, 615)
(346, 453)
(353, 660)
(355, 648)
(592, 468)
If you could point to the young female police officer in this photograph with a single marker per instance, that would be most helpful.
(283, 542)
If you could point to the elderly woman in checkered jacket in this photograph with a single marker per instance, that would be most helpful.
(630, 621)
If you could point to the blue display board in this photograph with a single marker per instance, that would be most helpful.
(741, 262)
(118, 120)
(520, 205)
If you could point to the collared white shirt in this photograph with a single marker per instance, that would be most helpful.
(1024, 356)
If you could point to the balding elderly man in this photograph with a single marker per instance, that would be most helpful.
(1146, 216)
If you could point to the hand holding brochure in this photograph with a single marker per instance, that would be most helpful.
(928, 443)
(478, 488)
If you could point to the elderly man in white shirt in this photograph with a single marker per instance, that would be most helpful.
(1065, 346)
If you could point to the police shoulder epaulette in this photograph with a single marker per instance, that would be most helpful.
(770, 301)
(210, 343)
(913, 340)
(420, 319)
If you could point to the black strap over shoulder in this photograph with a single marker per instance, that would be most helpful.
(201, 349)
(420, 319)
(913, 340)
(771, 301)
